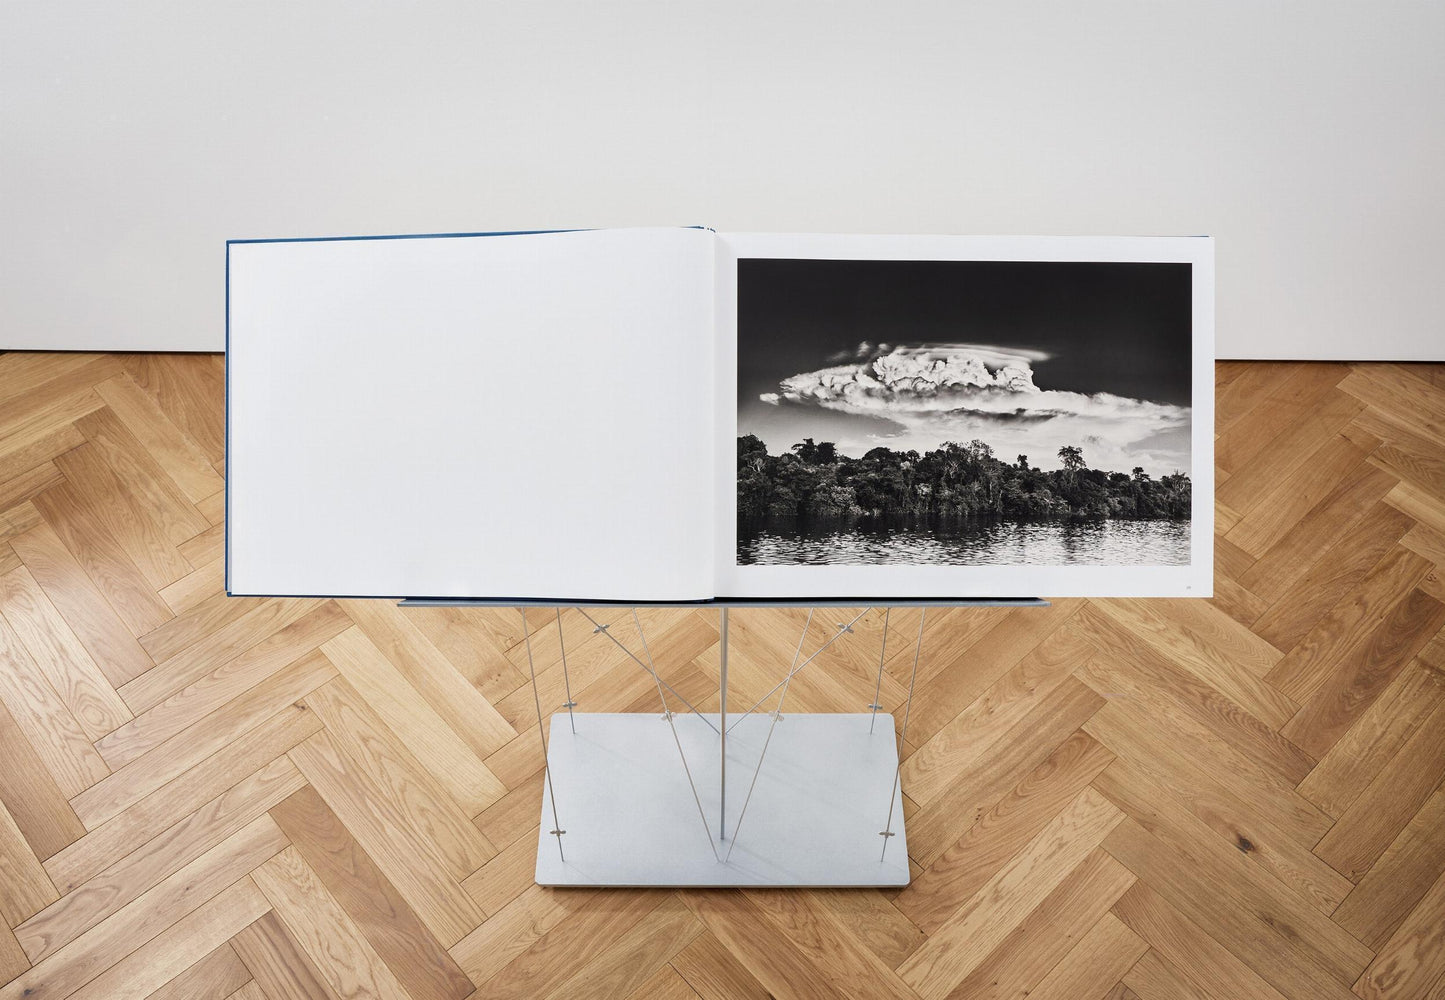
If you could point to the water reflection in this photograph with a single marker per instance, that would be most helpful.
(790, 542)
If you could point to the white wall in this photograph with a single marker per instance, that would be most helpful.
(1308, 137)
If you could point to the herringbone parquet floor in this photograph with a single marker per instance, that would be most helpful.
(208, 797)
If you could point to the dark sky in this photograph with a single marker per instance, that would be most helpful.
(1117, 328)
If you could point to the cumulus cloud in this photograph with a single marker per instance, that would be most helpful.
(957, 392)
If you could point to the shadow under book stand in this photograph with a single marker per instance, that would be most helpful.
(683, 798)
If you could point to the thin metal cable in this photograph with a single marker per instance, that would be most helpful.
(557, 830)
(777, 714)
(604, 629)
(887, 833)
(667, 714)
(843, 630)
(878, 689)
(567, 681)
(722, 722)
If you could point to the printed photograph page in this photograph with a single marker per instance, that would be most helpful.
(523, 416)
(964, 417)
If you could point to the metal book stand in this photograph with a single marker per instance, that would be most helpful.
(820, 802)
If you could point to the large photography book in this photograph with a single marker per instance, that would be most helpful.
(682, 415)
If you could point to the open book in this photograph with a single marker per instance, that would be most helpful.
(683, 415)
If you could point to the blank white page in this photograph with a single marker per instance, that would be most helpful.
(474, 416)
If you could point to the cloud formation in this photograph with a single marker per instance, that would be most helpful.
(934, 393)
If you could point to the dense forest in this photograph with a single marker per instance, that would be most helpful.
(954, 481)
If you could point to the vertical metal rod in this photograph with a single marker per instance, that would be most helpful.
(917, 648)
(567, 681)
(777, 714)
(878, 688)
(557, 830)
(843, 629)
(722, 726)
(667, 714)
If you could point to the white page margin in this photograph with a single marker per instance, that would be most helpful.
(882, 582)
(472, 416)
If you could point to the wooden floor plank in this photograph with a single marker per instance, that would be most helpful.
(153, 860)
(1246, 915)
(1286, 451)
(25, 888)
(177, 454)
(1246, 391)
(277, 963)
(30, 794)
(1209, 645)
(1413, 959)
(1272, 401)
(274, 698)
(1349, 626)
(1363, 671)
(935, 764)
(196, 659)
(1089, 971)
(125, 515)
(58, 653)
(196, 587)
(391, 838)
(1181, 943)
(1156, 979)
(336, 947)
(1396, 882)
(219, 975)
(1335, 575)
(85, 609)
(406, 713)
(185, 387)
(629, 960)
(460, 636)
(1374, 739)
(1129, 668)
(432, 674)
(20, 488)
(156, 492)
(962, 943)
(1372, 821)
(509, 932)
(785, 969)
(995, 772)
(404, 866)
(76, 519)
(1315, 534)
(401, 940)
(713, 973)
(184, 943)
(968, 864)
(12, 959)
(226, 684)
(1293, 496)
(1045, 938)
(204, 789)
(549, 959)
(950, 691)
(1193, 759)
(664, 984)
(367, 743)
(1218, 822)
(59, 740)
(66, 969)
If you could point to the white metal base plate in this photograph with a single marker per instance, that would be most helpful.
(815, 817)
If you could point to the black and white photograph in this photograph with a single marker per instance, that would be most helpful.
(963, 413)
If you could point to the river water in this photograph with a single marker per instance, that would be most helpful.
(974, 542)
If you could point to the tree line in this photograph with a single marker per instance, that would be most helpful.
(813, 480)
